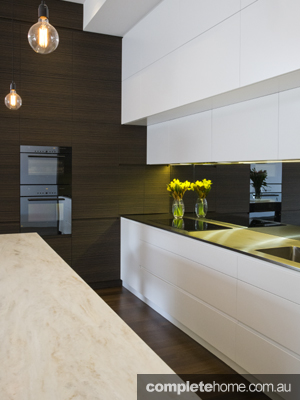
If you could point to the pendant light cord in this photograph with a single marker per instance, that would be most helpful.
(13, 41)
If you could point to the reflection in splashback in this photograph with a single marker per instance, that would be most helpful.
(230, 191)
(230, 186)
(268, 205)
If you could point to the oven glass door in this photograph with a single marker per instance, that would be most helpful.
(49, 169)
(46, 215)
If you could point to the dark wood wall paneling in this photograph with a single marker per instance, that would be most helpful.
(10, 130)
(72, 97)
(62, 14)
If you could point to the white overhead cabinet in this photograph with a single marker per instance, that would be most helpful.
(182, 140)
(246, 3)
(190, 138)
(159, 85)
(131, 98)
(209, 64)
(270, 33)
(151, 39)
(240, 132)
(158, 144)
(215, 55)
(198, 16)
(289, 124)
(158, 36)
(131, 58)
(171, 54)
(246, 131)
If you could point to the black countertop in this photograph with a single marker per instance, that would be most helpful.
(233, 236)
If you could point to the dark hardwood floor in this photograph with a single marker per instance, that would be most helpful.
(180, 352)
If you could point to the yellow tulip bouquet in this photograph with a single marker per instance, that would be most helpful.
(202, 188)
(177, 190)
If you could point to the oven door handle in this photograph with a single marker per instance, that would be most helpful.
(38, 199)
(48, 156)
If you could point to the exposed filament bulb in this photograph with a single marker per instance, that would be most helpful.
(13, 101)
(43, 36)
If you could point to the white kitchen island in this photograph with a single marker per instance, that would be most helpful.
(59, 339)
(243, 308)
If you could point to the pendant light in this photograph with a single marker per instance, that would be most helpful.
(13, 101)
(42, 36)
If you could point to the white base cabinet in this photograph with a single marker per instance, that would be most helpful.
(245, 308)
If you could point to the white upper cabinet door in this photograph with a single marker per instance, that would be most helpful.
(246, 3)
(131, 99)
(159, 85)
(209, 64)
(190, 138)
(131, 54)
(159, 35)
(289, 124)
(246, 131)
(152, 38)
(158, 143)
(270, 36)
(197, 16)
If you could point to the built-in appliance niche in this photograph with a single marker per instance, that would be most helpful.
(46, 190)
(269, 205)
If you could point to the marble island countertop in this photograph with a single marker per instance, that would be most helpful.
(237, 238)
(59, 339)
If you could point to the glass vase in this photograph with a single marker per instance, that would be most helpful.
(178, 208)
(257, 192)
(178, 223)
(201, 208)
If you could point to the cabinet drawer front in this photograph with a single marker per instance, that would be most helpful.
(270, 315)
(257, 355)
(208, 285)
(208, 323)
(130, 232)
(273, 278)
(206, 254)
(160, 262)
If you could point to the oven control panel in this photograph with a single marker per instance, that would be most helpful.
(45, 149)
(39, 190)
(43, 190)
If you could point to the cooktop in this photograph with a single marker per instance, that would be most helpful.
(190, 225)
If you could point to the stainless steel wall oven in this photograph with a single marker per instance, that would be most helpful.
(46, 190)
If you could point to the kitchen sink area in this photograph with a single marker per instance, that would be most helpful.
(260, 238)
(291, 253)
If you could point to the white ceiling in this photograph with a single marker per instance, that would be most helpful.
(114, 17)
